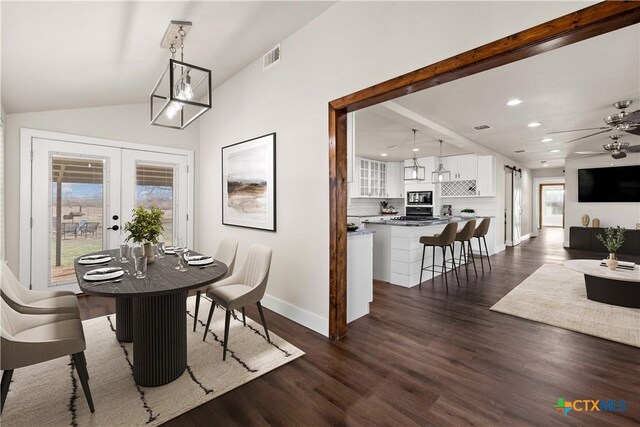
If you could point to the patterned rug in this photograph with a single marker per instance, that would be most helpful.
(556, 295)
(50, 393)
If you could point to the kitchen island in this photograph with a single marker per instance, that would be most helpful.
(359, 273)
(397, 251)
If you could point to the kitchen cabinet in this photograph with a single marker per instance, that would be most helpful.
(486, 180)
(462, 168)
(372, 179)
(395, 180)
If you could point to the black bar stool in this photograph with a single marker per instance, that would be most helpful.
(464, 236)
(480, 234)
(442, 240)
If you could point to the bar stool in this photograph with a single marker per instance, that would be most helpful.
(442, 240)
(479, 234)
(464, 236)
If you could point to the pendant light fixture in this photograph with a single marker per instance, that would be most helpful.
(440, 175)
(183, 91)
(415, 172)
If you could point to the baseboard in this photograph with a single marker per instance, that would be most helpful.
(525, 237)
(299, 315)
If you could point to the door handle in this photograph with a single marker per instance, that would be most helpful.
(114, 228)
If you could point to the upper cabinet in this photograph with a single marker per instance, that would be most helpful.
(462, 168)
(377, 179)
(395, 180)
(486, 181)
(471, 176)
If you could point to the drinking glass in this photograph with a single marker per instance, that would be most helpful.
(140, 262)
(182, 252)
(124, 249)
(160, 247)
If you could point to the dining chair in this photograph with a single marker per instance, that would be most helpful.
(243, 288)
(226, 253)
(28, 339)
(27, 301)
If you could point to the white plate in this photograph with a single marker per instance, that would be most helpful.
(94, 259)
(106, 273)
(200, 260)
(170, 250)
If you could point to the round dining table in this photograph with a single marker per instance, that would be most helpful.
(152, 312)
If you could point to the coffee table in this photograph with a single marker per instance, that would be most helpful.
(619, 287)
(152, 312)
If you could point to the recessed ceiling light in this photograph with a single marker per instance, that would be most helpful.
(534, 124)
(415, 149)
(383, 154)
(546, 139)
(513, 102)
(545, 165)
(554, 151)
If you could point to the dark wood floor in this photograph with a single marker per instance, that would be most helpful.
(426, 358)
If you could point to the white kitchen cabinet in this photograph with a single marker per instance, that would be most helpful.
(486, 180)
(372, 179)
(359, 275)
(462, 168)
(394, 180)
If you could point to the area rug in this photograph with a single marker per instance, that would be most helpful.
(556, 295)
(50, 394)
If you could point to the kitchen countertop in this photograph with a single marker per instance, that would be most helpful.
(369, 216)
(438, 221)
(359, 232)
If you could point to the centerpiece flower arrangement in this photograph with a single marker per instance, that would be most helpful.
(145, 228)
(613, 240)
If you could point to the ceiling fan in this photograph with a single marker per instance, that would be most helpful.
(621, 122)
(617, 149)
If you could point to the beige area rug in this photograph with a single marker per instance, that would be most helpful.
(50, 394)
(556, 295)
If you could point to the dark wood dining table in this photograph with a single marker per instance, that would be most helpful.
(152, 312)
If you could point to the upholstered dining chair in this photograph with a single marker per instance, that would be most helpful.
(27, 301)
(243, 288)
(443, 240)
(28, 339)
(226, 253)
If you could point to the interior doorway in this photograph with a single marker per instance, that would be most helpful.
(551, 205)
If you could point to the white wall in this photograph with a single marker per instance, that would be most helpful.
(547, 172)
(351, 46)
(125, 123)
(610, 214)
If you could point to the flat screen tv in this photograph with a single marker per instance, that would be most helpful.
(615, 184)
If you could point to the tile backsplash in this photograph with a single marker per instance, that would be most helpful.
(372, 206)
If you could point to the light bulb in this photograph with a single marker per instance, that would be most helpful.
(414, 174)
(187, 90)
(173, 109)
(440, 177)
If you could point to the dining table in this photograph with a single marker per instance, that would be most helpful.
(152, 312)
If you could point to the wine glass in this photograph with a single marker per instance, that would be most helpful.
(182, 252)
(160, 247)
(124, 249)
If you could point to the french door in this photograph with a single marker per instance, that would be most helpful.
(83, 194)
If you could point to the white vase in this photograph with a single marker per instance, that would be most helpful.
(612, 262)
(149, 251)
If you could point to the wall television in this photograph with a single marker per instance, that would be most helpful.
(615, 184)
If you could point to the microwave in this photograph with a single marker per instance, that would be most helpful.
(419, 197)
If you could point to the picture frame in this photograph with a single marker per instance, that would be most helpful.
(249, 183)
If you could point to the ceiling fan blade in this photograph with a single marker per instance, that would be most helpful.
(579, 156)
(633, 117)
(633, 149)
(634, 131)
(577, 130)
(589, 136)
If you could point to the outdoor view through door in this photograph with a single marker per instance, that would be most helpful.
(551, 205)
(154, 187)
(77, 212)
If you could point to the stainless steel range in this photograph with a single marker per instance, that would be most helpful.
(417, 213)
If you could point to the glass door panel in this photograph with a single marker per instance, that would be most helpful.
(155, 188)
(552, 205)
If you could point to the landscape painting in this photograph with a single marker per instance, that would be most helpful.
(248, 183)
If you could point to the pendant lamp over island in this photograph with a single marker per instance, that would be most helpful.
(415, 172)
(183, 91)
(440, 175)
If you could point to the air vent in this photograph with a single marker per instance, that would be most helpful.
(271, 58)
(519, 151)
(482, 127)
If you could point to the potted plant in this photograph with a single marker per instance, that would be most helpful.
(468, 213)
(613, 240)
(386, 208)
(145, 227)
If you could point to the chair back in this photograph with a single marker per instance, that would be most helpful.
(448, 235)
(467, 231)
(11, 289)
(255, 271)
(483, 228)
(226, 253)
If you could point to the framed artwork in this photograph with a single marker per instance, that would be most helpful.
(249, 183)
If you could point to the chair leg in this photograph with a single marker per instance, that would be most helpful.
(466, 261)
(227, 320)
(84, 362)
(244, 318)
(473, 258)
(264, 322)
(433, 265)
(6, 380)
(453, 260)
(81, 369)
(213, 306)
(486, 251)
(424, 248)
(195, 317)
(480, 248)
(444, 268)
